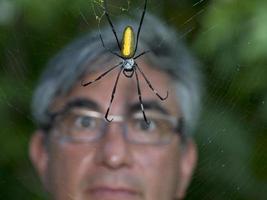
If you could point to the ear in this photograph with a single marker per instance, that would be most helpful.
(188, 163)
(38, 153)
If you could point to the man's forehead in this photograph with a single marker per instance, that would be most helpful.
(126, 96)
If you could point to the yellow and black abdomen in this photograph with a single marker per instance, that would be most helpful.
(128, 42)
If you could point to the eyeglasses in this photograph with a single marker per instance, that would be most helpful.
(83, 125)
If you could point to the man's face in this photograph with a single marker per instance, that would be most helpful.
(113, 168)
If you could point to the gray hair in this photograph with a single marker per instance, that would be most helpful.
(167, 53)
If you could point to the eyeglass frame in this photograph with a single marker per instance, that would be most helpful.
(177, 122)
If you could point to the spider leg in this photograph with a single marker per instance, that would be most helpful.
(108, 49)
(101, 75)
(112, 95)
(110, 23)
(141, 54)
(140, 97)
(140, 25)
(151, 87)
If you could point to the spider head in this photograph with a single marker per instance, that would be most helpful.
(128, 65)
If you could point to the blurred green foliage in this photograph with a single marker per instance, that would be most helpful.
(229, 37)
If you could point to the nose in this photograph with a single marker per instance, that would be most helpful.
(113, 151)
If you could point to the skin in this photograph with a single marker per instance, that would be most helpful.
(112, 168)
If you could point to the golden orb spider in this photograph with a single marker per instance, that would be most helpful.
(128, 65)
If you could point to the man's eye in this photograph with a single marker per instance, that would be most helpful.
(85, 122)
(142, 125)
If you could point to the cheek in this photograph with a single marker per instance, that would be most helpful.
(66, 163)
(160, 170)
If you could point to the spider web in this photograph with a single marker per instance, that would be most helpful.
(98, 8)
(118, 8)
(228, 37)
(114, 8)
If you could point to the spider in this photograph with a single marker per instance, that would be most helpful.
(128, 66)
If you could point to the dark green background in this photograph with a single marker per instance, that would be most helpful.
(228, 36)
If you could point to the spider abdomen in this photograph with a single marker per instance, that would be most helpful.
(127, 47)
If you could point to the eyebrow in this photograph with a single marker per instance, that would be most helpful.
(148, 105)
(75, 103)
(79, 103)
